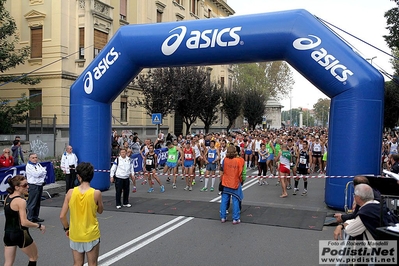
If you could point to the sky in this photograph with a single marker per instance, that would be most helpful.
(361, 18)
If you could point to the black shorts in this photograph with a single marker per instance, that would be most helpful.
(20, 238)
(302, 171)
(149, 168)
(316, 154)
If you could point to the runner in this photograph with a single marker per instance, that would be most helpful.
(211, 158)
(172, 161)
(317, 151)
(151, 160)
(249, 146)
(292, 148)
(284, 158)
(262, 167)
(302, 165)
(189, 164)
(270, 158)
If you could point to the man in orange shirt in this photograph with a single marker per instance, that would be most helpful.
(231, 178)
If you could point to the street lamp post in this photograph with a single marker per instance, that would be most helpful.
(371, 59)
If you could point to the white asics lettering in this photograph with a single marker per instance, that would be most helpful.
(199, 40)
(98, 71)
(321, 56)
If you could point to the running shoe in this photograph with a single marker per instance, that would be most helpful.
(186, 188)
(236, 221)
(118, 207)
(278, 183)
(193, 183)
(174, 185)
(134, 190)
(168, 180)
(295, 191)
(144, 182)
(202, 172)
(289, 187)
(190, 189)
(223, 220)
(201, 179)
(127, 205)
(305, 192)
(204, 189)
(264, 182)
(260, 183)
(212, 189)
(162, 189)
(150, 190)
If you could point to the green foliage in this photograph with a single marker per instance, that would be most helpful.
(321, 111)
(14, 114)
(392, 17)
(209, 107)
(191, 97)
(391, 111)
(10, 56)
(254, 107)
(286, 115)
(231, 105)
(159, 88)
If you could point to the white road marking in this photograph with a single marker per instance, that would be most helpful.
(246, 185)
(126, 245)
(144, 243)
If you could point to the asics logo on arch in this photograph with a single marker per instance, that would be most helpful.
(199, 40)
(98, 71)
(323, 57)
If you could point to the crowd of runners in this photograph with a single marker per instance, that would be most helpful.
(286, 154)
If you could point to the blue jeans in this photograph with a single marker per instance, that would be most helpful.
(223, 206)
(34, 199)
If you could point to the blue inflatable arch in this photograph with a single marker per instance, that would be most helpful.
(356, 88)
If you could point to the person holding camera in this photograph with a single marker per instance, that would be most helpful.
(69, 161)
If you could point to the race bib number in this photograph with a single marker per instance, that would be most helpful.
(188, 156)
(171, 157)
(302, 161)
(211, 155)
(148, 162)
(223, 156)
(317, 149)
(263, 157)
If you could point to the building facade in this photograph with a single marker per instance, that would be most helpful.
(65, 36)
(273, 114)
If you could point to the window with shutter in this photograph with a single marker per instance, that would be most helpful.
(36, 35)
(81, 43)
(100, 40)
(123, 11)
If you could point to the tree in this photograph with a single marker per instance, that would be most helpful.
(273, 79)
(321, 110)
(286, 115)
(10, 56)
(14, 114)
(159, 90)
(254, 107)
(391, 111)
(231, 105)
(209, 107)
(191, 96)
(392, 17)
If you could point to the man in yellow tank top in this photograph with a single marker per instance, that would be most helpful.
(83, 202)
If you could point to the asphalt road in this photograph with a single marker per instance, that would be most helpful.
(149, 239)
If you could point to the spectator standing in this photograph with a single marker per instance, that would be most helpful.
(83, 202)
(121, 170)
(69, 161)
(6, 159)
(36, 175)
(17, 153)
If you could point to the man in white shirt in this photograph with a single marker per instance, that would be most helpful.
(68, 163)
(35, 175)
(122, 169)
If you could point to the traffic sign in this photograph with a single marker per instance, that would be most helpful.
(156, 119)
